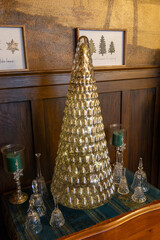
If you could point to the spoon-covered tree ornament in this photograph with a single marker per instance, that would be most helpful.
(82, 176)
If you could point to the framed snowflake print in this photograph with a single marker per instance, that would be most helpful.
(107, 47)
(12, 49)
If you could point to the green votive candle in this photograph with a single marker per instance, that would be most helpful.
(117, 138)
(13, 162)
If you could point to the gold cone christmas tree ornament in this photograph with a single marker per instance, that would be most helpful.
(82, 176)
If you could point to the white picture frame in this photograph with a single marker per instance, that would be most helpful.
(107, 47)
(12, 49)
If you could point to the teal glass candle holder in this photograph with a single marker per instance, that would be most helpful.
(117, 139)
(117, 134)
(13, 160)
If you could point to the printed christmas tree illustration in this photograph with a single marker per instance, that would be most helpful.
(82, 176)
(92, 46)
(102, 46)
(111, 47)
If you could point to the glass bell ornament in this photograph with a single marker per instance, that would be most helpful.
(57, 219)
(42, 188)
(138, 195)
(123, 185)
(14, 163)
(33, 222)
(37, 200)
(140, 175)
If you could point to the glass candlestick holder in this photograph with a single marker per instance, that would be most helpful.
(117, 134)
(117, 139)
(13, 160)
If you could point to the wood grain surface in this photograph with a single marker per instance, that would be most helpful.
(142, 105)
(139, 224)
(31, 112)
(16, 127)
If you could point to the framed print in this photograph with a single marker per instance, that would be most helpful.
(12, 49)
(107, 47)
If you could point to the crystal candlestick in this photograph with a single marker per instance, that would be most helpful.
(117, 139)
(13, 158)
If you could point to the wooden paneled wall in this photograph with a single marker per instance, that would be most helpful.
(31, 112)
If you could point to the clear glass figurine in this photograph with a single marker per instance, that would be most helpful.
(140, 174)
(33, 222)
(40, 179)
(37, 200)
(57, 219)
(138, 195)
(123, 185)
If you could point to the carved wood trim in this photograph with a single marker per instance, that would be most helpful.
(60, 77)
(56, 91)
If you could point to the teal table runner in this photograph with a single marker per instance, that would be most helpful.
(75, 220)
